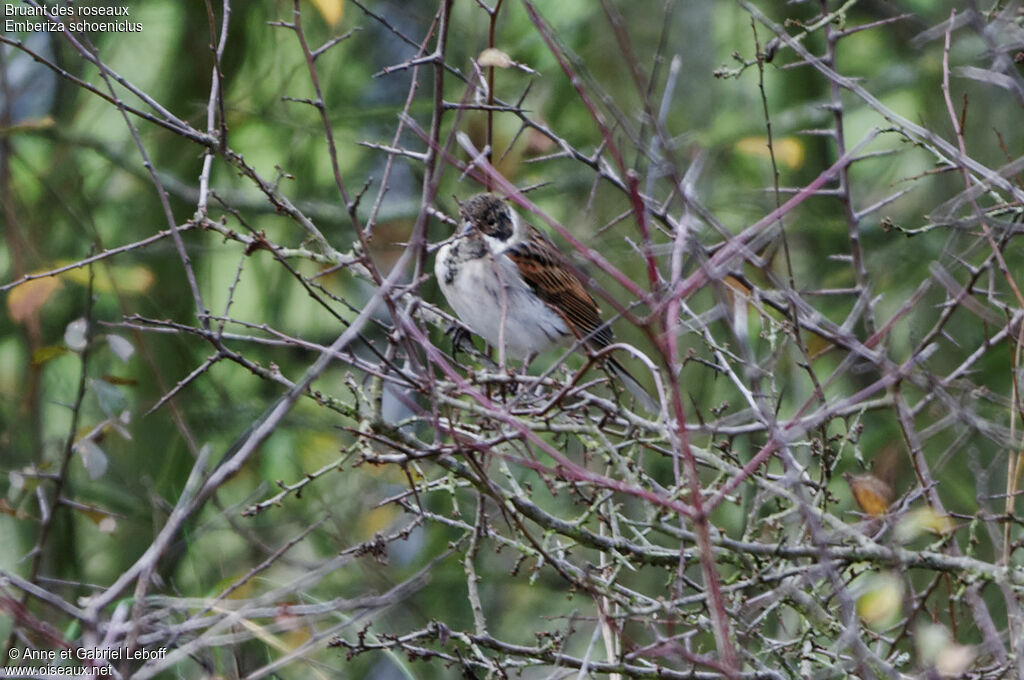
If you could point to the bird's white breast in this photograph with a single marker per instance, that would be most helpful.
(490, 296)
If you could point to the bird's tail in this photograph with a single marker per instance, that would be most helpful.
(634, 387)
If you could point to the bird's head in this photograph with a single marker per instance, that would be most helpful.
(489, 215)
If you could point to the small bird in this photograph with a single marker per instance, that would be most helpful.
(515, 289)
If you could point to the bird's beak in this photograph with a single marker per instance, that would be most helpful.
(467, 226)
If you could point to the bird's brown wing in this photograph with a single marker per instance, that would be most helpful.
(552, 278)
(554, 281)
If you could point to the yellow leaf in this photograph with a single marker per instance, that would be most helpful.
(882, 600)
(330, 10)
(733, 284)
(753, 146)
(29, 297)
(921, 520)
(377, 520)
(44, 354)
(494, 57)
(789, 151)
(6, 509)
(97, 515)
(43, 123)
(129, 279)
(871, 493)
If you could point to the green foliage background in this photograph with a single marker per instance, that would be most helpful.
(73, 183)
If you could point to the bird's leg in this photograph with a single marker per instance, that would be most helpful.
(459, 336)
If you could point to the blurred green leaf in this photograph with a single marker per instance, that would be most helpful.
(93, 458)
(111, 399)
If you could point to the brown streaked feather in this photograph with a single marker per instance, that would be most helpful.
(551, 277)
